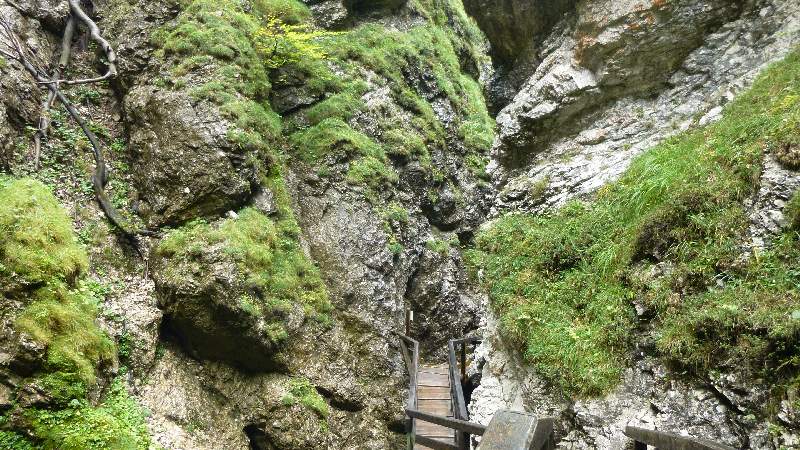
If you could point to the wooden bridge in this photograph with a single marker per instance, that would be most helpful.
(437, 416)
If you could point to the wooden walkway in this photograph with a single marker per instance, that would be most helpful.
(433, 396)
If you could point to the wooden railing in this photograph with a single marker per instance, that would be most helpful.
(458, 376)
(669, 441)
(460, 426)
(539, 437)
(410, 350)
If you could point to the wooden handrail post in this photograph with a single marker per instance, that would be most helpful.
(463, 362)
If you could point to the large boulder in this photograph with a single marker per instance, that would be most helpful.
(241, 283)
(184, 165)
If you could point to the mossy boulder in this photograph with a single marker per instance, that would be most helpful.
(185, 166)
(241, 283)
(37, 241)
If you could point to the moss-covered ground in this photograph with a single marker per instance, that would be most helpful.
(565, 284)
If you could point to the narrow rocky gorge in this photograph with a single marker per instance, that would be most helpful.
(310, 171)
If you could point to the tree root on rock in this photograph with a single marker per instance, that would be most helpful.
(12, 48)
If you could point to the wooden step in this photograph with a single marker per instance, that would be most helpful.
(432, 379)
(432, 430)
(433, 393)
(433, 397)
(422, 447)
(438, 407)
(435, 369)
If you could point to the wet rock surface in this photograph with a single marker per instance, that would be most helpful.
(588, 86)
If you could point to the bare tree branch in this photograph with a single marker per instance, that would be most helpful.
(44, 120)
(94, 33)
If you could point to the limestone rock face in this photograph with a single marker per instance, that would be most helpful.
(185, 166)
(612, 51)
(18, 92)
(582, 116)
(439, 289)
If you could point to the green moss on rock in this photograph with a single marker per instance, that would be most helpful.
(38, 243)
(300, 390)
(42, 267)
(271, 265)
(118, 423)
(64, 321)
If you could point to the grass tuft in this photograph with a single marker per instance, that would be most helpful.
(301, 391)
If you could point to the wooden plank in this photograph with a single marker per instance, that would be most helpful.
(433, 430)
(433, 393)
(461, 425)
(433, 379)
(438, 369)
(438, 407)
(425, 442)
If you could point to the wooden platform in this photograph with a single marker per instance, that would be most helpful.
(433, 396)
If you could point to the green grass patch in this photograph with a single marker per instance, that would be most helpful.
(218, 37)
(42, 264)
(273, 268)
(564, 284)
(300, 390)
(289, 11)
(792, 212)
(64, 321)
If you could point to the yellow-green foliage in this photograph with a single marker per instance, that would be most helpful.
(37, 241)
(271, 263)
(564, 283)
(280, 43)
